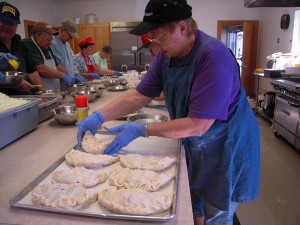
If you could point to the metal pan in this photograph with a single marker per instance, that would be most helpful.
(156, 104)
(117, 88)
(140, 111)
(147, 146)
(147, 118)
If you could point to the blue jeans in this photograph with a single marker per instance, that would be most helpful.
(214, 216)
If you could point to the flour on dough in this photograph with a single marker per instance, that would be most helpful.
(135, 161)
(63, 196)
(91, 144)
(143, 179)
(79, 175)
(134, 201)
(78, 158)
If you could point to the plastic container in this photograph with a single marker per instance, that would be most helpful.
(82, 108)
(44, 108)
(16, 122)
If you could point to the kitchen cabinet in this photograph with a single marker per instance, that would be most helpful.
(100, 32)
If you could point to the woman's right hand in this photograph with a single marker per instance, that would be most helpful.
(91, 123)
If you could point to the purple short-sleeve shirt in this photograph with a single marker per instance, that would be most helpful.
(215, 90)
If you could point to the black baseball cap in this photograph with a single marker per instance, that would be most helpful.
(9, 13)
(159, 12)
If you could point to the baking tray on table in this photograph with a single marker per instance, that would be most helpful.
(145, 146)
(48, 103)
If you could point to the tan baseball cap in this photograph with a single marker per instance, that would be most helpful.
(43, 26)
(71, 27)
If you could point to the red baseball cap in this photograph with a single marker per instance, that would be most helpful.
(86, 40)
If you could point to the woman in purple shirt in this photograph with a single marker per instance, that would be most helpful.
(208, 109)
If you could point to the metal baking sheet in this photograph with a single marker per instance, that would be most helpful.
(145, 146)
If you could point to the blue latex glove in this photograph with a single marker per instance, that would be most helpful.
(91, 123)
(68, 79)
(117, 73)
(94, 76)
(79, 78)
(5, 57)
(2, 78)
(128, 133)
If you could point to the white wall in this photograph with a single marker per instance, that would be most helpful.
(36, 10)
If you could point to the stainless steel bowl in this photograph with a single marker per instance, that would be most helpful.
(52, 92)
(99, 90)
(117, 88)
(91, 95)
(140, 111)
(147, 118)
(76, 87)
(65, 114)
(110, 83)
(13, 78)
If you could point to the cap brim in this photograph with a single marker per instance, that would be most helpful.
(74, 35)
(8, 19)
(144, 28)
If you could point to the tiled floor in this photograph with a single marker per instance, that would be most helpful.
(279, 198)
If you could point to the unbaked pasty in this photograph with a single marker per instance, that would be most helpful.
(63, 196)
(142, 179)
(135, 161)
(79, 158)
(79, 175)
(134, 201)
(91, 144)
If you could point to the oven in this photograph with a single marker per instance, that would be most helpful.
(287, 111)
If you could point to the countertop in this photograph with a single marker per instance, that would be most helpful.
(24, 159)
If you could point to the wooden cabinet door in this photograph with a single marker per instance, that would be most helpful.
(100, 32)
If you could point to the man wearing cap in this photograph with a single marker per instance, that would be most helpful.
(208, 110)
(62, 49)
(43, 59)
(86, 63)
(11, 48)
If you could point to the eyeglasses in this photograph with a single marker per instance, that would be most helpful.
(157, 40)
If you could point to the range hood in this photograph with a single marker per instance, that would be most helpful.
(271, 3)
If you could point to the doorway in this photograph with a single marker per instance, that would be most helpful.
(241, 37)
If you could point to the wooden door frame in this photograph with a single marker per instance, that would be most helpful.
(249, 84)
(27, 24)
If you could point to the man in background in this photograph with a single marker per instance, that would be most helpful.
(101, 57)
(43, 59)
(62, 49)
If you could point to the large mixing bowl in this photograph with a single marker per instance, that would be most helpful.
(13, 78)
(65, 114)
(91, 95)
(99, 90)
(76, 87)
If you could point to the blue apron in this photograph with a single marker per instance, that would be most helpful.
(224, 163)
